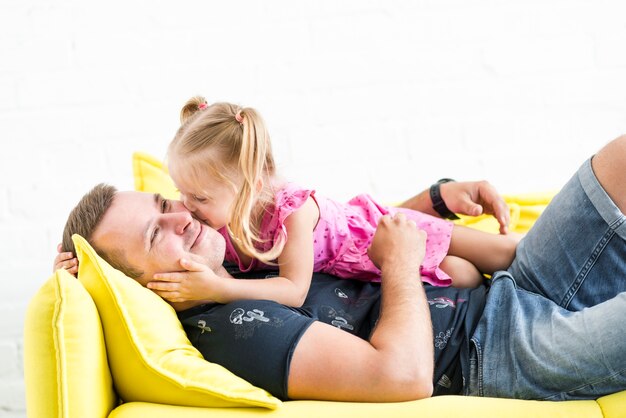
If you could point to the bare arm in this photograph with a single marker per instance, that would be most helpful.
(295, 263)
(471, 198)
(397, 363)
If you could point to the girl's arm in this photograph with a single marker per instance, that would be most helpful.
(290, 288)
(295, 263)
(65, 260)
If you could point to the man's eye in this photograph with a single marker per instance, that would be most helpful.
(165, 204)
(155, 232)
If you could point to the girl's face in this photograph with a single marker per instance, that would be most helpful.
(210, 201)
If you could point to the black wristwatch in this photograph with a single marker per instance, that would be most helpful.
(438, 204)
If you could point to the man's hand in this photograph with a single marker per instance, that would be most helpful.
(397, 241)
(471, 198)
(474, 198)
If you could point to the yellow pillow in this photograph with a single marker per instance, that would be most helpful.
(150, 357)
(151, 176)
(65, 362)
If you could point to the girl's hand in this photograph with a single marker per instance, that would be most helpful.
(195, 282)
(65, 260)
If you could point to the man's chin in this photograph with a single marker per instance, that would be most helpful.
(213, 251)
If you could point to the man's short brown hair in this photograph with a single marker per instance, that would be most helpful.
(85, 218)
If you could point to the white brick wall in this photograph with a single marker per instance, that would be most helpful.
(360, 96)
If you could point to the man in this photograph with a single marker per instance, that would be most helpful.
(551, 327)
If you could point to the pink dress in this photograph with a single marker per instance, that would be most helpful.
(343, 234)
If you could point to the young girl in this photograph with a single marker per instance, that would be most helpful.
(221, 161)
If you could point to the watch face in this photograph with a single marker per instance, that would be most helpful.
(444, 180)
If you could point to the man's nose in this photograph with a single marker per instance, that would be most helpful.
(178, 221)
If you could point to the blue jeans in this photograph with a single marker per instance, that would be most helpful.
(554, 325)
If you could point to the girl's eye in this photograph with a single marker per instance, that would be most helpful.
(199, 199)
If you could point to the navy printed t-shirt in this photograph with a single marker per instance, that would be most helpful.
(255, 339)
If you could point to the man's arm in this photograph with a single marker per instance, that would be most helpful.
(397, 363)
(471, 198)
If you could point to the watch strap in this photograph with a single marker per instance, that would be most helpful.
(438, 204)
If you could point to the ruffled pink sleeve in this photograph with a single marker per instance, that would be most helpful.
(288, 199)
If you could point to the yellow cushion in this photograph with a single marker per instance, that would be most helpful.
(150, 357)
(614, 405)
(65, 363)
(152, 176)
(450, 406)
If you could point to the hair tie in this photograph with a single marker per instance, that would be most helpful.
(202, 106)
(239, 117)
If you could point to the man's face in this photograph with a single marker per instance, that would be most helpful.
(154, 234)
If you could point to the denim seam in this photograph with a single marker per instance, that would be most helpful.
(479, 366)
(595, 382)
(582, 275)
(601, 201)
(618, 222)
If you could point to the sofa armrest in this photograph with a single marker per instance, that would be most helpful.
(65, 364)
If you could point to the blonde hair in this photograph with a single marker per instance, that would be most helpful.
(231, 144)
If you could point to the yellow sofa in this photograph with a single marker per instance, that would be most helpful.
(92, 342)
(67, 375)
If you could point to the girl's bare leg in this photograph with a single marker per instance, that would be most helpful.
(462, 272)
(487, 252)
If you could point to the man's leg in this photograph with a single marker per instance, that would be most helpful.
(575, 254)
(609, 166)
(531, 348)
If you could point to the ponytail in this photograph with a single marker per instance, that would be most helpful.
(256, 166)
(192, 106)
(237, 141)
